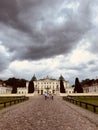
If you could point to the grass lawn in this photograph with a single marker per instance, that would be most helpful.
(5, 99)
(88, 99)
(92, 100)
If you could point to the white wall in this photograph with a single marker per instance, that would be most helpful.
(5, 90)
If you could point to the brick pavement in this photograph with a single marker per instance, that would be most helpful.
(40, 114)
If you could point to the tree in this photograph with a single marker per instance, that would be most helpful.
(78, 88)
(31, 87)
(73, 85)
(21, 82)
(62, 89)
(31, 84)
(12, 82)
(88, 82)
(15, 83)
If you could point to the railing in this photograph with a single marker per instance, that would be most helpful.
(81, 103)
(14, 101)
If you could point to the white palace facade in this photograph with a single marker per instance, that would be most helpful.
(51, 86)
(46, 85)
(5, 89)
(23, 90)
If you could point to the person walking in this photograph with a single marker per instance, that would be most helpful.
(52, 96)
(45, 95)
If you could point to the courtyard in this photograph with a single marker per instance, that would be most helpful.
(40, 114)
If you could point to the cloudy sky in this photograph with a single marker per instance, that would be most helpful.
(49, 37)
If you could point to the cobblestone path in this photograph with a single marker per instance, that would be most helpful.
(40, 114)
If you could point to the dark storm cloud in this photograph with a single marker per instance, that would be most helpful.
(72, 67)
(31, 28)
(9, 11)
(93, 38)
(4, 58)
(3, 62)
(92, 62)
(93, 66)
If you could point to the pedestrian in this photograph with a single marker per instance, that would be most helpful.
(45, 95)
(52, 96)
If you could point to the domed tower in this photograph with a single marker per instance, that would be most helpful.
(34, 78)
(61, 78)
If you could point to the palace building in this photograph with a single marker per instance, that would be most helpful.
(48, 85)
(23, 90)
(5, 89)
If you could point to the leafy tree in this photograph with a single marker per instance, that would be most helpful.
(31, 87)
(96, 81)
(31, 84)
(12, 82)
(73, 85)
(21, 82)
(87, 82)
(62, 89)
(78, 88)
(15, 83)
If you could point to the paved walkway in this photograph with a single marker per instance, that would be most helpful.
(40, 114)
